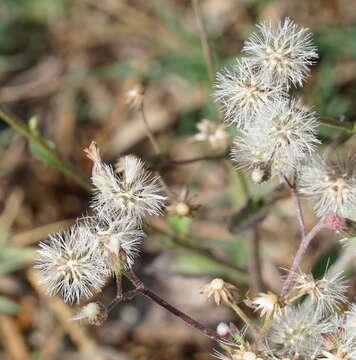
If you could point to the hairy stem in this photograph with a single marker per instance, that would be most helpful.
(300, 253)
(61, 164)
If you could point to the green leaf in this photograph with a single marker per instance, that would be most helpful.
(180, 224)
(7, 306)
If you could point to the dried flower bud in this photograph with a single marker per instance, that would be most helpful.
(215, 134)
(223, 330)
(220, 290)
(134, 97)
(184, 205)
(269, 304)
(95, 313)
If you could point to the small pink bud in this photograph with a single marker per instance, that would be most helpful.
(343, 226)
(223, 330)
(336, 222)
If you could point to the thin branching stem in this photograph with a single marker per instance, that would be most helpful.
(149, 132)
(208, 54)
(300, 253)
(142, 289)
(255, 269)
(297, 205)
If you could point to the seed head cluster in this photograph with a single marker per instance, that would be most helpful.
(77, 263)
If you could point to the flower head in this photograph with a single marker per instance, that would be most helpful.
(118, 239)
(215, 134)
(220, 290)
(297, 332)
(282, 52)
(327, 293)
(281, 137)
(70, 264)
(268, 304)
(95, 313)
(332, 185)
(243, 92)
(132, 193)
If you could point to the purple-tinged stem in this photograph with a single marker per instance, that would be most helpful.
(300, 253)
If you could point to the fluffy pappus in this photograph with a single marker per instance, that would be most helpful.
(331, 184)
(297, 332)
(131, 193)
(243, 91)
(283, 52)
(281, 137)
(69, 264)
(118, 239)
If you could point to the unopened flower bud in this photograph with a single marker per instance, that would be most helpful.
(343, 226)
(223, 330)
(95, 313)
(134, 96)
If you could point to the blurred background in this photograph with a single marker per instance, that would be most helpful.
(65, 67)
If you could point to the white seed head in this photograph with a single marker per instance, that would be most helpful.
(332, 185)
(297, 332)
(280, 138)
(70, 264)
(327, 293)
(243, 91)
(283, 52)
(133, 193)
(118, 239)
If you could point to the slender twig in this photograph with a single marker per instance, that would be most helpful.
(347, 126)
(255, 261)
(179, 242)
(246, 319)
(204, 40)
(300, 253)
(197, 159)
(141, 288)
(297, 205)
(61, 164)
(150, 135)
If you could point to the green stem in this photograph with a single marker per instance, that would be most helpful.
(62, 165)
(347, 126)
(245, 318)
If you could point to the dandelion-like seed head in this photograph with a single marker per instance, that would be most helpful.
(332, 185)
(118, 239)
(70, 264)
(243, 92)
(327, 293)
(282, 52)
(297, 332)
(281, 137)
(340, 342)
(132, 193)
